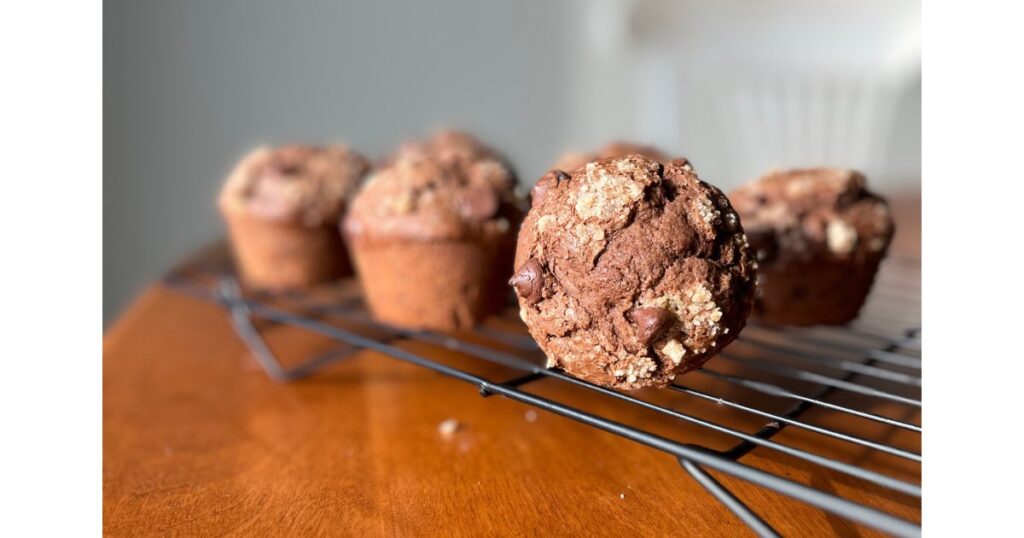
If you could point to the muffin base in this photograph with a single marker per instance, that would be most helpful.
(281, 256)
(822, 293)
(443, 285)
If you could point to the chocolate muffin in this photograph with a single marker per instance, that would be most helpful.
(572, 160)
(282, 208)
(433, 233)
(630, 272)
(819, 235)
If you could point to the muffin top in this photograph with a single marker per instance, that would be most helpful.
(806, 214)
(629, 272)
(448, 187)
(305, 185)
(573, 160)
(449, 146)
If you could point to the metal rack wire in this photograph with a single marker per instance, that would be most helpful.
(877, 359)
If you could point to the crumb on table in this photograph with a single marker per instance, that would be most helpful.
(448, 428)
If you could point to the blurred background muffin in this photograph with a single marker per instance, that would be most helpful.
(819, 236)
(433, 233)
(282, 208)
(572, 160)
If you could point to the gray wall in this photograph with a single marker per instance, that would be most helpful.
(189, 86)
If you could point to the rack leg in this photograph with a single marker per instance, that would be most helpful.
(229, 294)
(730, 501)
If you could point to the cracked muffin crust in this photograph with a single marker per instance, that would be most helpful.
(445, 188)
(303, 185)
(820, 236)
(630, 272)
(282, 207)
(449, 146)
(433, 233)
(572, 160)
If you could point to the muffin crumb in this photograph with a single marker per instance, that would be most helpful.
(448, 428)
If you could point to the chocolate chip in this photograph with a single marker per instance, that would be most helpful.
(682, 162)
(852, 192)
(546, 183)
(651, 323)
(288, 160)
(282, 169)
(479, 203)
(529, 281)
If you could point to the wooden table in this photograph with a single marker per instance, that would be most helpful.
(198, 441)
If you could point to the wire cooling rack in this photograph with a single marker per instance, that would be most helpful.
(875, 363)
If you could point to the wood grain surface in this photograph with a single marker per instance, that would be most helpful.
(198, 441)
